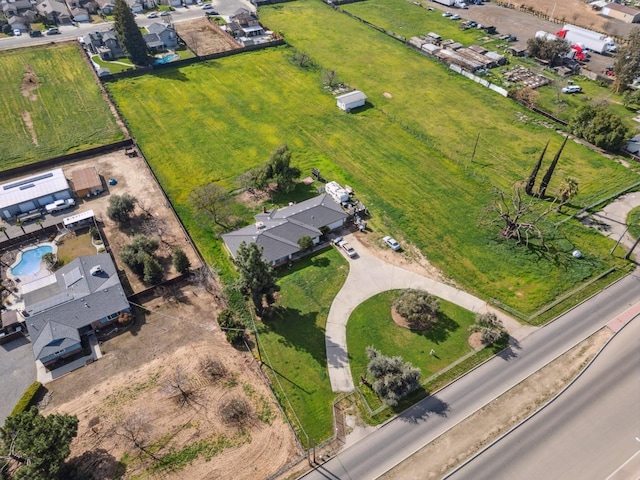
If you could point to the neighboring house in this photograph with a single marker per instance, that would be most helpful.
(621, 12)
(80, 15)
(17, 7)
(136, 6)
(31, 193)
(107, 6)
(12, 325)
(18, 22)
(278, 231)
(104, 44)
(633, 145)
(86, 182)
(64, 308)
(55, 11)
(351, 100)
(245, 27)
(161, 37)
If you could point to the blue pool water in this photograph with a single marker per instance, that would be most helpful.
(30, 261)
(166, 59)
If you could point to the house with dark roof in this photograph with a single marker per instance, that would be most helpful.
(65, 307)
(55, 11)
(278, 231)
(161, 37)
(104, 44)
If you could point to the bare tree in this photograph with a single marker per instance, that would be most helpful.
(236, 411)
(136, 428)
(212, 201)
(213, 368)
(205, 278)
(178, 385)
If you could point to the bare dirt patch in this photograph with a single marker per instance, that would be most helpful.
(30, 84)
(475, 341)
(129, 387)
(26, 118)
(204, 37)
(484, 426)
(387, 95)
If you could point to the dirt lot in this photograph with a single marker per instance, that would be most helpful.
(152, 215)
(131, 387)
(204, 37)
(487, 424)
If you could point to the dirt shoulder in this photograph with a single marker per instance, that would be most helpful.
(477, 431)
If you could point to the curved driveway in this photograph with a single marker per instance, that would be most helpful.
(368, 276)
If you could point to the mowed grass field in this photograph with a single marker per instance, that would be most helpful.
(60, 100)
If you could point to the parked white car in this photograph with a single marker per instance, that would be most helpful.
(572, 89)
(391, 243)
(351, 252)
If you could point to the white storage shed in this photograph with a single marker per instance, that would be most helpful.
(351, 100)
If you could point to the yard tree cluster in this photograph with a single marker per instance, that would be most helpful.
(392, 377)
(419, 308)
(550, 50)
(128, 34)
(627, 62)
(278, 170)
(256, 275)
(597, 125)
(490, 327)
(120, 207)
(139, 256)
(38, 444)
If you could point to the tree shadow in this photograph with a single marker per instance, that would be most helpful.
(96, 464)
(440, 331)
(506, 348)
(170, 72)
(300, 193)
(299, 331)
(305, 262)
(422, 410)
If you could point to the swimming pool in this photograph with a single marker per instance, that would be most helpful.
(172, 57)
(30, 260)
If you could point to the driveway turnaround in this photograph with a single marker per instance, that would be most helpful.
(368, 276)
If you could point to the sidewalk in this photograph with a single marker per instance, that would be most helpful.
(368, 276)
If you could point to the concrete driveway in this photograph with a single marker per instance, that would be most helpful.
(17, 371)
(368, 276)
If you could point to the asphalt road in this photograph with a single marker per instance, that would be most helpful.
(588, 432)
(424, 422)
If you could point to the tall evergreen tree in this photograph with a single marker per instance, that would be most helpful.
(547, 176)
(627, 62)
(532, 178)
(256, 275)
(128, 34)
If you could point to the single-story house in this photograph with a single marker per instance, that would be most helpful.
(161, 37)
(279, 230)
(351, 100)
(55, 11)
(621, 12)
(18, 22)
(65, 307)
(80, 15)
(86, 182)
(31, 193)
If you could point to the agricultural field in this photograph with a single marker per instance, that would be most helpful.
(51, 105)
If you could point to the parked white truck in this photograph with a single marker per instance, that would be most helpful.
(594, 41)
(448, 3)
(59, 205)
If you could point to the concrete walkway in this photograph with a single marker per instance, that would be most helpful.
(368, 276)
(613, 218)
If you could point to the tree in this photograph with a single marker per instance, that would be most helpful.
(490, 327)
(3, 229)
(152, 270)
(179, 386)
(136, 428)
(233, 328)
(214, 202)
(566, 191)
(305, 243)
(526, 96)
(597, 125)
(627, 63)
(120, 207)
(20, 223)
(50, 259)
(236, 411)
(549, 50)
(256, 275)
(135, 253)
(392, 377)
(631, 97)
(180, 261)
(419, 308)
(531, 181)
(279, 169)
(330, 78)
(547, 176)
(302, 59)
(128, 34)
(40, 223)
(39, 444)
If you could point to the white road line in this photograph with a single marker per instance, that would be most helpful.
(624, 464)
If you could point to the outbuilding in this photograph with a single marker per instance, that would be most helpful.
(351, 100)
(86, 182)
(621, 12)
(32, 193)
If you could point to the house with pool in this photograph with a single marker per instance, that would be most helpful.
(63, 310)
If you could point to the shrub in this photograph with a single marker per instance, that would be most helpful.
(120, 207)
(419, 308)
(392, 378)
(181, 261)
(153, 271)
(305, 243)
(233, 328)
(490, 326)
(26, 399)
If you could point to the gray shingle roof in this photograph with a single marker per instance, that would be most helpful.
(75, 300)
(280, 229)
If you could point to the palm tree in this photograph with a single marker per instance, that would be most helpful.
(566, 191)
(3, 229)
(40, 222)
(20, 224)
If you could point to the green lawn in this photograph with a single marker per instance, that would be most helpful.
(116, 66)
(293, 341)
(633, 220)
(68, 112)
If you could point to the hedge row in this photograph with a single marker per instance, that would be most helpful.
(26, 399)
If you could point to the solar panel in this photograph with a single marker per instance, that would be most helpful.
(27, 180)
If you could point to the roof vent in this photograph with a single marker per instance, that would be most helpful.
(97, 270)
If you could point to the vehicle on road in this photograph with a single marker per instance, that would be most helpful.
(446, 14)
(210, 13)
(35, 33)
(572, 89)
(455, 17)
(17, 32)
(392, 243)
(207, 6)
(351, 252)
(153, 15)
(53, 31)
(165, 13)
